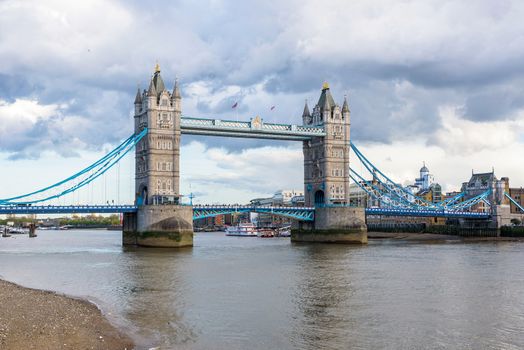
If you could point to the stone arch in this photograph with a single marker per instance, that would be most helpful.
(142, 195)
(319, 197)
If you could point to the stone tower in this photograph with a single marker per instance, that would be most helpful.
(326, 178)
(326, 159)
(158, 154)
(160, 220)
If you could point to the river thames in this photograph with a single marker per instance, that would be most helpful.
(253, 293)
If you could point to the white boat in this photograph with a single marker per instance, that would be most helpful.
(246, 229)
(18, 230)
(284, 232)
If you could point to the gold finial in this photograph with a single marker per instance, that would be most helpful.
(157, 68)
(325, 85)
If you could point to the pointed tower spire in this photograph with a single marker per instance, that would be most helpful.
(326, 106)
(345, 106)
(306, 111)
(176, 90)
(326, 101)
(138, 98)
(152, 90)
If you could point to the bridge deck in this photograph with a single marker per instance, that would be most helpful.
(67, 209)
(203, 211)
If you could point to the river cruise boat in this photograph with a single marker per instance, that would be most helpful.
(246, 229)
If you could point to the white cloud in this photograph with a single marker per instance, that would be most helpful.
(22, 114)
(464, 137)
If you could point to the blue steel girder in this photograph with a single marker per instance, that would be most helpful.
(472, 201)
(517, 204)
(66, 209)
(451, 201)
(426, 213)
(255, 128)
(209, 213)
(297, 213)
(378, 194)
(392, 187)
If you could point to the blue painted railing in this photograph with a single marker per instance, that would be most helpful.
(297, 213)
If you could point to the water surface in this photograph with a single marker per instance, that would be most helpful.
(252, 293)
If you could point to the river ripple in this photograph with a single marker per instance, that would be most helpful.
(251, 293)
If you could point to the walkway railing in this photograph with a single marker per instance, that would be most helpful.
(67, 209)
(297, 213)
(255, 128)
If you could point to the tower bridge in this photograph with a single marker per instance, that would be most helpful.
(157, 218)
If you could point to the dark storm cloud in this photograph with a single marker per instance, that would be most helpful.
(495, 103)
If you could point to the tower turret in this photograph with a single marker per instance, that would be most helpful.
(176, 97)
(306, 116)
(138, 101)
(151, 94)
(345, 106)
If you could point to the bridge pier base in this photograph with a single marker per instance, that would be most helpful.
(502, 215)
(169, 226)
(333, 225)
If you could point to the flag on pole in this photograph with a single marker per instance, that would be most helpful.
(235, 105)
(272, 108)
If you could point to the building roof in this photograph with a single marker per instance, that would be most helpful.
(483, 178)
(156, 86)
(159, 82)
(326, 102)
(424, 169)
(151, 91)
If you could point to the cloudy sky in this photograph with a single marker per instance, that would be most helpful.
(435, 81)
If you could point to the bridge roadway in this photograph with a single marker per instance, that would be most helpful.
(204, 211)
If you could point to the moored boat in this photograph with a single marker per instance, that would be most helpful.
(283, 232)
(246, 229)
(266, 233)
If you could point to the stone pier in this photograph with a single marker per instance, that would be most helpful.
(333, 225)
(502, 215)
(169, 226)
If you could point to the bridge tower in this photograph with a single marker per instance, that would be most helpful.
(326, 159)
(158, 154)
(326, 176)
(160, 220)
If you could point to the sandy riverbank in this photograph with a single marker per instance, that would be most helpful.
(35, 319)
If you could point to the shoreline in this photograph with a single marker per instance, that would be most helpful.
(38, 319)
(437, 238)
